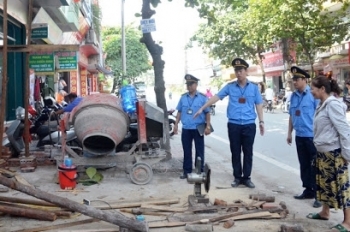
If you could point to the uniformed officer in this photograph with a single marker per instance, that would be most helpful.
(189, 103)
(244, 98)
(301, 113)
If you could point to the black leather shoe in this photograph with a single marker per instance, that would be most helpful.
(317, 204)
(249, 184)
(235, 183)
(304, 196)
(183, 176)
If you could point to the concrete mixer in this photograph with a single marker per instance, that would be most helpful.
(101, 124)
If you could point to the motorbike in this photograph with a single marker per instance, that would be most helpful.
(172, 120)
(212, 109)
(269, 106)
(44, 126)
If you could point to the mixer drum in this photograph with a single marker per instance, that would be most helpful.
(100, 123)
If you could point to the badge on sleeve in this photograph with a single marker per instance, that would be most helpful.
(297, 113)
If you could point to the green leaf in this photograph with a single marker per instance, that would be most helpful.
(98, 177)
(138, 15)
(91, 172)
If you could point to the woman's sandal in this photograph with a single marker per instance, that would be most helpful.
(316, 216)
(340, 228)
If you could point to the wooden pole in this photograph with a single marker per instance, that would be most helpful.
(114, 217)
(27, 79)
(25, 201)
(4, 74)
(28, 213)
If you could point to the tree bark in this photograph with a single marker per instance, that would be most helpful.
(112, 217)
(156, 52)
(259, 58)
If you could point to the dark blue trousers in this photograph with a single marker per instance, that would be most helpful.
(241, 139)
(187, 137)
(306, 155)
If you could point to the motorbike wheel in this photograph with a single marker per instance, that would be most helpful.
(171, 127)
(212, 111)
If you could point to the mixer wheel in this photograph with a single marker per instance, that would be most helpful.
(141, 173)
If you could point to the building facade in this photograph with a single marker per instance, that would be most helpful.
(54, 22)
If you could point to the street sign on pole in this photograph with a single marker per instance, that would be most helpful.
(148, 25)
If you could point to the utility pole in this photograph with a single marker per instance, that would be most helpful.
(123, 40)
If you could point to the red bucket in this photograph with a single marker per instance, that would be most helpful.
(67, 176)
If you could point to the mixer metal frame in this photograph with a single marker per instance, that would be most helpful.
(137, 163)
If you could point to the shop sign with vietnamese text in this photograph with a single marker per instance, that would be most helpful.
(67, 61)
(42, 62)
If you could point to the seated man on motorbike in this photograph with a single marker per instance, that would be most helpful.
(269, 94)
(73, 101)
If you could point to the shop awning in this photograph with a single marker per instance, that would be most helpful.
(97, 68)
(103, 70)
(336, 57)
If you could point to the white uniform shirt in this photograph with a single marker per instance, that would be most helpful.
(269, 95)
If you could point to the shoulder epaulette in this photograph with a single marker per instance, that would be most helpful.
(183, 94)
(202, 94)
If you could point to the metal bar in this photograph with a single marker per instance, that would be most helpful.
(4, 73)
(141, 121)
(41, 47)
(123, 40)
(27, 80)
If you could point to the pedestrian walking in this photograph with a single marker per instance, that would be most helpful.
(301, 113)
(244, 99)
(190, 103)
(332, 141)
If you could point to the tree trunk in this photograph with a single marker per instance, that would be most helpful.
(259, 59)
(156, 52)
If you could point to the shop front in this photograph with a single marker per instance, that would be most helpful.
(15, 66)
(273, 67)
(340, 68)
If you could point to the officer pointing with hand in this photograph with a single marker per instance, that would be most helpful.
(190, 103)
(244, 98)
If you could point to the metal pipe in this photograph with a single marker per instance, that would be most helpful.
(123, 40)
(27, 79)
(4, 73)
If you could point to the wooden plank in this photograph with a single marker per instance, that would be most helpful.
(249, 216)
(137, 211)
(165, 224)
(256, 204)
(59, 226)
(41, 48)
(148, 201)
(7, 173)
(163, 209)
(20, 179)
(128, 204)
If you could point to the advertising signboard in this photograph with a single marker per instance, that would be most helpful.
(68, 61)
(42, 62)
